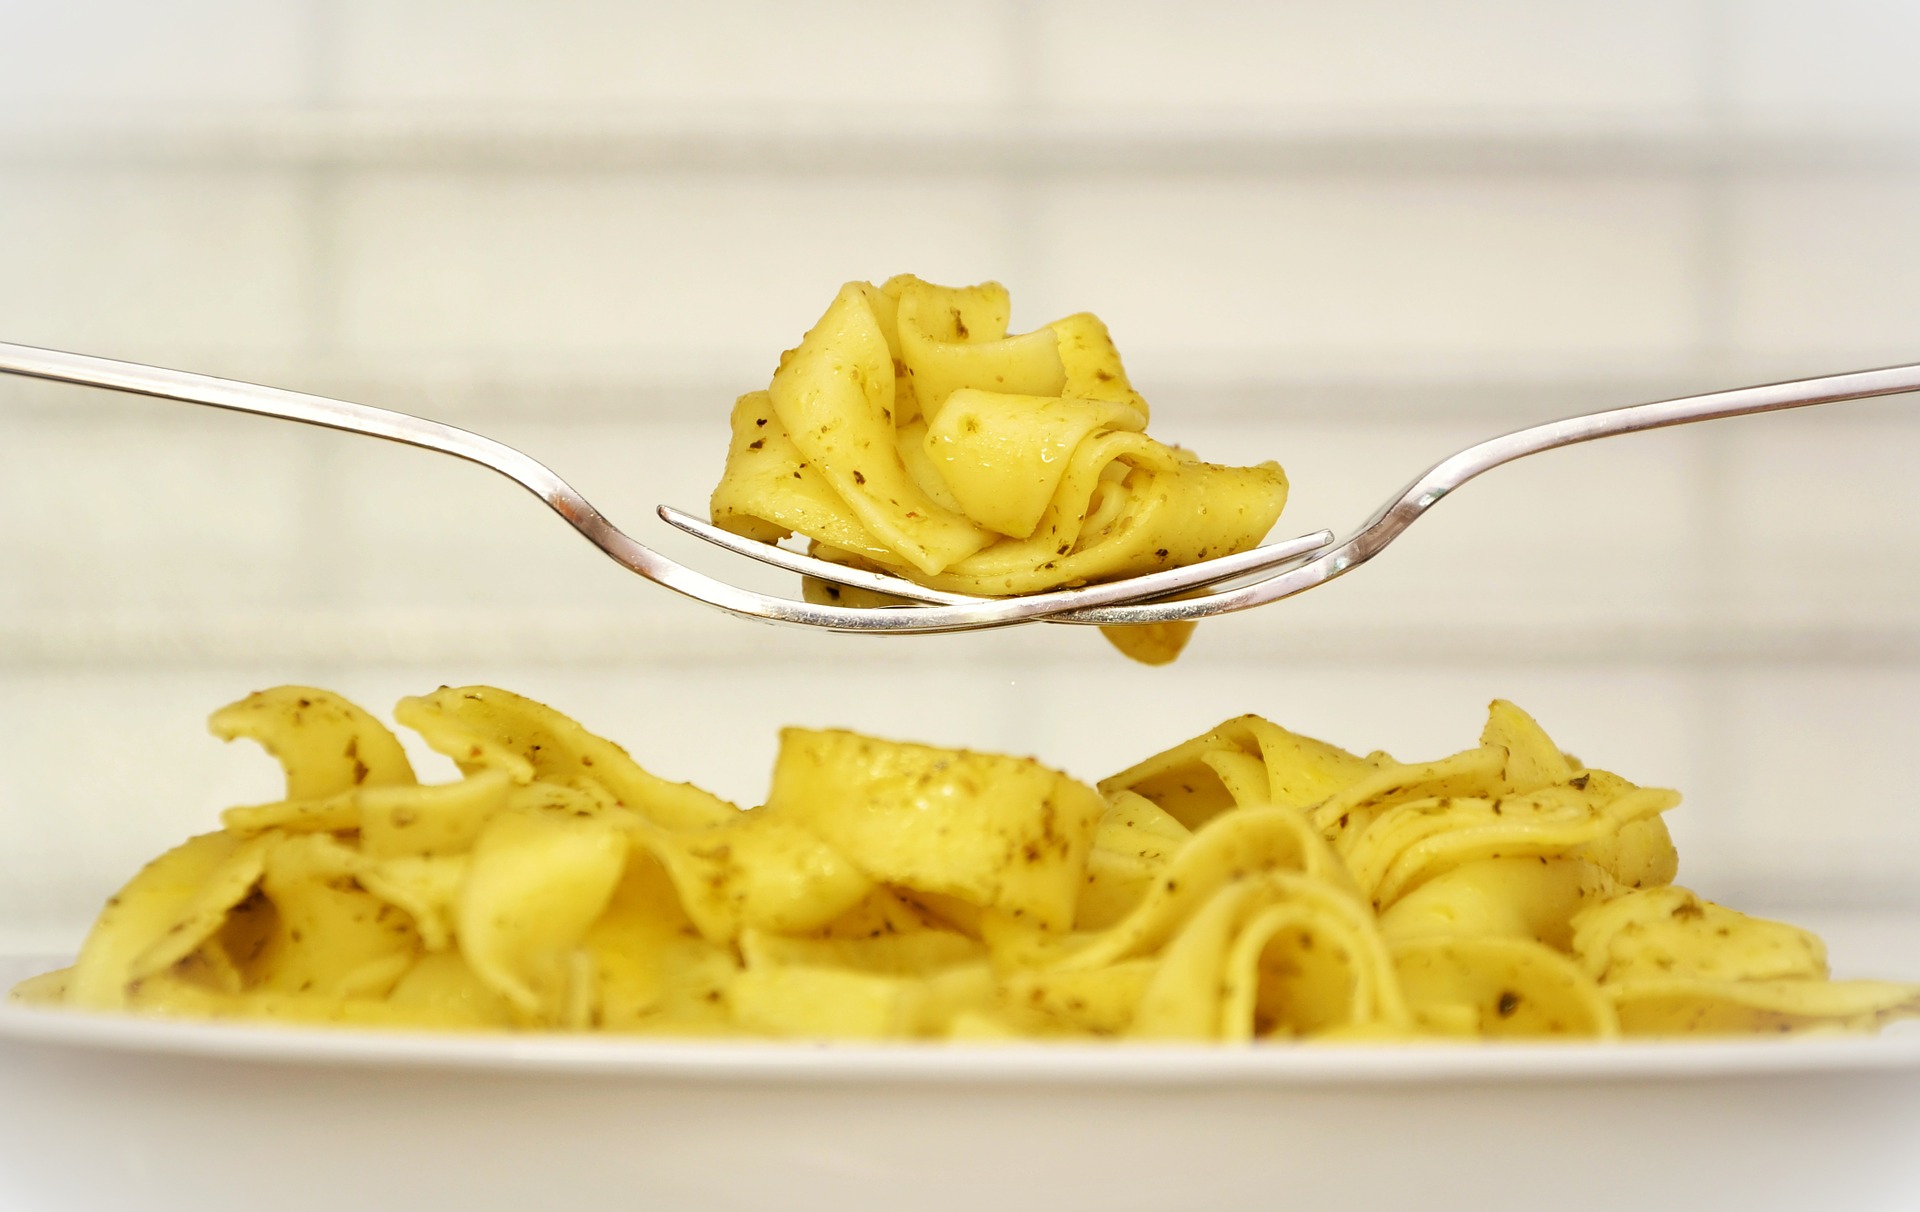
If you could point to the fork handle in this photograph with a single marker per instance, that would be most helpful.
(328, 413)
(1440, 480)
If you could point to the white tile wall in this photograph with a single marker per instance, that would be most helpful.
(1828, 263)
(143, 262)
(1830, 787)
(653, 270)
(1354, 236)
(83, 529)
(1835, 64)
(1822, 532)
(597, 52)
(1377, 61)
(1402, 272)
(202, 52)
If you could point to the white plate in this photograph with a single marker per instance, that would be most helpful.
(109, 1112)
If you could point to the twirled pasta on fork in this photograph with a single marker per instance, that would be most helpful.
(910, 433)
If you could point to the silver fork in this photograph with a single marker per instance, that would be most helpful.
(943, 611)
(1279, 570)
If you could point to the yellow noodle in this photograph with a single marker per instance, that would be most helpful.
(1247, 884)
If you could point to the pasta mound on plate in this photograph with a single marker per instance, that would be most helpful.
(911, 434)
(1251, 883)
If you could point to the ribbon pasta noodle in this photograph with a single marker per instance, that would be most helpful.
(1248, 884)
(910, 433)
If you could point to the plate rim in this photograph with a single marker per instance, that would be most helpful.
(965, 1063)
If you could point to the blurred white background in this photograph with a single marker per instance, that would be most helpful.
(1350, 234)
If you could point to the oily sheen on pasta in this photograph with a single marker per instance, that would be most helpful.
(1248, 884)
(909, 432)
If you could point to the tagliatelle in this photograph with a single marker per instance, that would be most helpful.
(1248, 884)
(910, 433)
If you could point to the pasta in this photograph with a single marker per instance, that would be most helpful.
(1248, 884)
(910, 433)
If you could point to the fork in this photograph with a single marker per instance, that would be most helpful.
(942, 611)
(1277, 570)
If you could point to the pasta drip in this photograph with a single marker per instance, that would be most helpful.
(910, 433)
(1249, 884)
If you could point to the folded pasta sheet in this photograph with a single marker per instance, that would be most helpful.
(1248, 884)
(910, 433)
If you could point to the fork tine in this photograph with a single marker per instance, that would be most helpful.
(1140, 589)
(1318, 567)
(811, 566)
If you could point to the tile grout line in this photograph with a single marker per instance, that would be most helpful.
(1046, 149)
